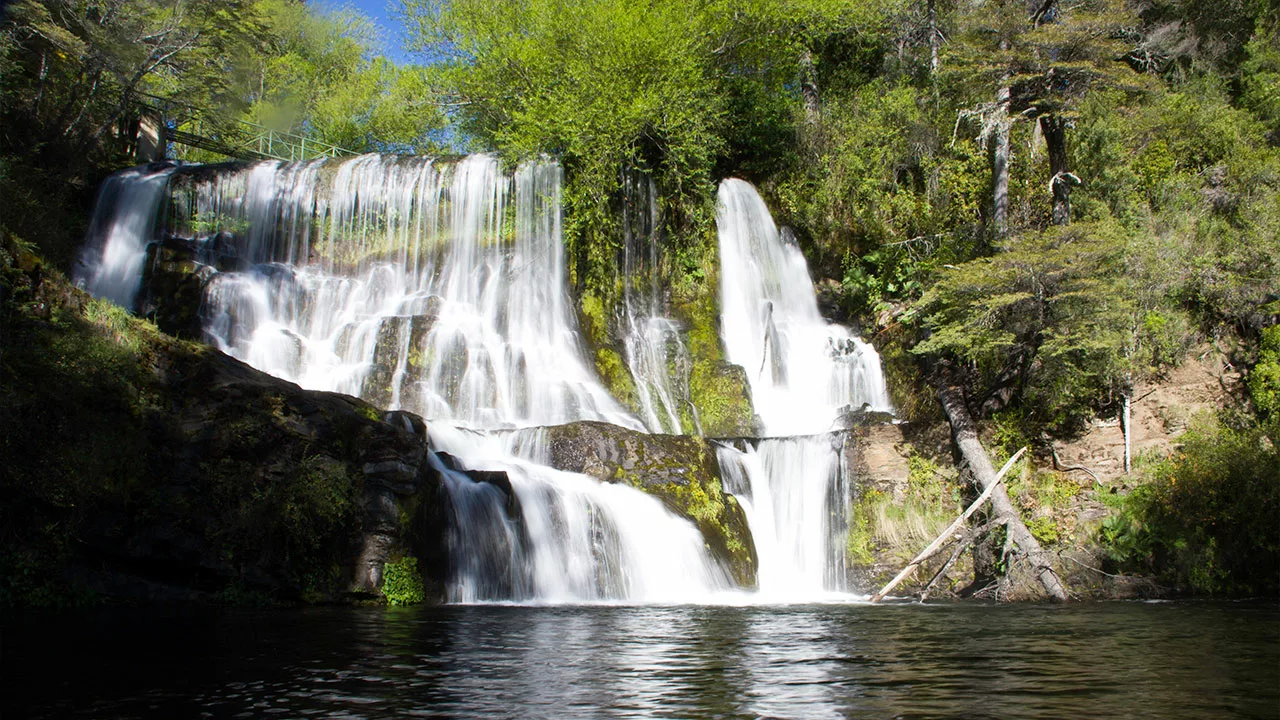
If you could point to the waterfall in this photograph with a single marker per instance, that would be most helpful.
(576, 539)
(124, 221)
(437, 287)
(796, 502)
(803, 370)
(440, 287)
(804, 374)
(656, 356)
(433, 287)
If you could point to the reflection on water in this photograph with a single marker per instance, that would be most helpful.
(1170, 660)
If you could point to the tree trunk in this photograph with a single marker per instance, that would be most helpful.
(1061, 179)
(934, 38)
(939, 541)
(809, 86)
(965, 436)
(1000, 165)
(1124, 426)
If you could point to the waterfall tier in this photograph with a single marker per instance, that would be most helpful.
(803, 371)
(124, 221)
(440, 287)
(433, 287)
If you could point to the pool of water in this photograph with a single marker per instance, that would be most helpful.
(1104, 660)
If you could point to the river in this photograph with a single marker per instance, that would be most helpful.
(1104, 660)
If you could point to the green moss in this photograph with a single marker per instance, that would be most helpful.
(1044, 529)
(402, 583)
(593, 319)
(717, 390)
(613, 372)
(419, 358)
(719, 518)
(704, 504)
(861, 541)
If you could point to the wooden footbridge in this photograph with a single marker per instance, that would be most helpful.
(165, 121)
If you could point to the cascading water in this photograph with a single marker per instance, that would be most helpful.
(577, 539)
(437, 287)
(804, 373)
(656, 356)
(413, 284)
(796, 502)
(124, 221)
(803, 370)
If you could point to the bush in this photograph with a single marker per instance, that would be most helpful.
(1207, 517)
(401, 582)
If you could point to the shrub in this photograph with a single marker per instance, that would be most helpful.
(401, 582)
(1207, 517)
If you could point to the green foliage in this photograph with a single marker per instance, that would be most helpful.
(1206, 517)
(73, 72)
(1264, 378)
(316, 75)
(1044, 529)
(860, 545)
(1260, 76)
(402, 583)
(602, 85)
(878, 523)
(1047, 499)
(1044, 321)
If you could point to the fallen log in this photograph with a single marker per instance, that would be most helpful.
(938, 541)
(960, 547)
(965, 436)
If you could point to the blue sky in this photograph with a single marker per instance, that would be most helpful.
(390, 33)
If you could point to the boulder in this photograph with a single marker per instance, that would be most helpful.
(680, 470)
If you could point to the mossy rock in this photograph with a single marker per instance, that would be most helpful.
(680, 470)
(142, 467)
(718, 389)
(722, 396)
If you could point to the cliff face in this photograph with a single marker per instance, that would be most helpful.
(139, 466)
(142, 467)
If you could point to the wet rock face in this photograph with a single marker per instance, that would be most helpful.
(309, 489)
(173, 287)
(680, 470)
(399, 349)
(157, 469)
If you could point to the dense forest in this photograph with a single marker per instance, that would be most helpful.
(1043, 203)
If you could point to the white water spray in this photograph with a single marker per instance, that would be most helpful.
(804, 374)
(438, 288)
(656, 356)
(576, 539)
(803, 370)
(124, 221)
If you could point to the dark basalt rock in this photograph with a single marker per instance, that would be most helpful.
(156, 469)
(850, 417)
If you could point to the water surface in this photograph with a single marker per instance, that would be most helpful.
(1107, 660)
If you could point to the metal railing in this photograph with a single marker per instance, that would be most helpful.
(185, 124)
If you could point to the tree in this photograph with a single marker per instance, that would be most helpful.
(603, 85)
(1042, 326)
(317, 76)
(1041, 63)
